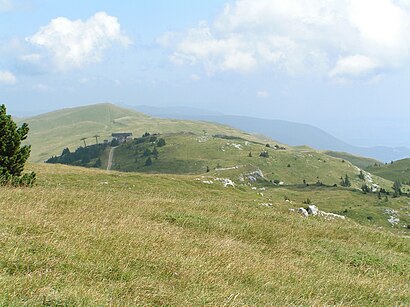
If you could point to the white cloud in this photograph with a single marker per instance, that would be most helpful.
(262, 94)
(355, 66)
(330, 37)
(74, 43)
(7, 77)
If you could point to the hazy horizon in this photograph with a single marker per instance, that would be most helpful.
(341, 66)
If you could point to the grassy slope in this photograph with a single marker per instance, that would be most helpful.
(89, 237)
(360, 162)
(51, 132)
(190, 153)
(398, 170)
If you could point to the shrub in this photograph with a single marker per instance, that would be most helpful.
(148, 162)
(264, 154)
(161, 142)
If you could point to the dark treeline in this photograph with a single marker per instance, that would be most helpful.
(84, 156)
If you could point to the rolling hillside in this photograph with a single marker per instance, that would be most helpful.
(360, 162)
(86, 237)
(398, 170)
(51, 132)
(229, 156)
(188, 153)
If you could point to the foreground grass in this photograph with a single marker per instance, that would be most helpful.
(84, 237)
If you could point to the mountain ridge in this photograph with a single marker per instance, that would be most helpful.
(287, 132)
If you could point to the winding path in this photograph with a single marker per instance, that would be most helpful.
(110, 158)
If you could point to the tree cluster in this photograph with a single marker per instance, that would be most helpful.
(143, 147)
(345, 182)
(84, 156)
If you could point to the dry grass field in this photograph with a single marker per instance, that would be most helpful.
(87, 237)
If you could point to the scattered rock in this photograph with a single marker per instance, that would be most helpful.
(208, 181)
(303, 211)
(375, 188)
(252, 179)
(253, 176)
(313, 210)
(203, 139)
(267, 205)
(226, 182)
(390, 211)
(394, 220)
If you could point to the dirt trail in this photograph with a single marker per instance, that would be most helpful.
(110, 158)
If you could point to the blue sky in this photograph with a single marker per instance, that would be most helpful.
(341, 65)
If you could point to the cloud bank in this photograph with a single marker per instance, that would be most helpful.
(337, 38)
(75, 43)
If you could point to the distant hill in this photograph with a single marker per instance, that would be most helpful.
(398, 170)
(51, 132)
(291, 133)
(225, 157)
(360, 162)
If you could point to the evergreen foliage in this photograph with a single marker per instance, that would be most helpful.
(155, 153)
(83, 156)
(148, 162)
(397, 188)
(345, 182)
(264, 154)
(365, 189)
(114, 143)
(13, 156)
(147, 152)
(161, 142)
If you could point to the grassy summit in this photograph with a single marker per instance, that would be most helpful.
(51, 132)
(90, 237)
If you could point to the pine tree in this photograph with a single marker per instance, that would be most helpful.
(161, 142)
(148, 162)
(397, 188)
(146, 152)
(13, 156)
(155, 153)
(345, 182)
